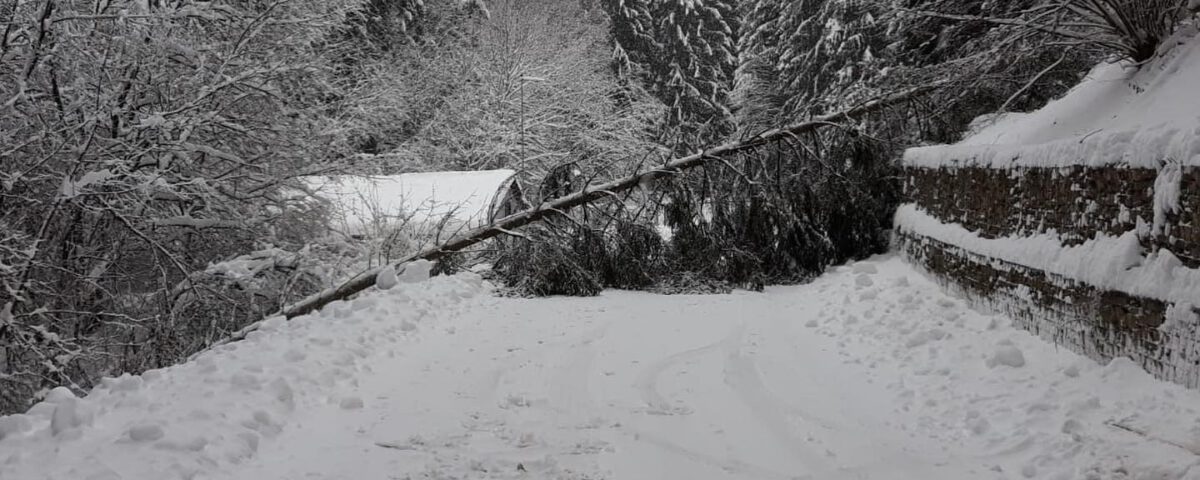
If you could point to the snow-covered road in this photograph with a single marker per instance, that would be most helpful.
(868, 373)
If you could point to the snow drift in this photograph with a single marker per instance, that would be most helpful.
(1118, 116)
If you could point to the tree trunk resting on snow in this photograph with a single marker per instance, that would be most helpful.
(590, 193)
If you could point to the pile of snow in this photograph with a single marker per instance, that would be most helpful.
(358, 202)
(207, 415)
(1106, 262)
(1014, 405)
(1120, 115)
(413, 272)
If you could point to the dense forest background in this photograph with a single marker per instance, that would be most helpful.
(143, 141)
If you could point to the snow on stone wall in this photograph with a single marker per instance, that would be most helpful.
(1081, 220)
(1090, 258)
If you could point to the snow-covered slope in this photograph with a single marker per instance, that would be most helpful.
(358, 202)
(867, 373)
(1119, 115)
(213, 413)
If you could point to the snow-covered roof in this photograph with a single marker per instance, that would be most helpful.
(359, 201)
(1119, 115)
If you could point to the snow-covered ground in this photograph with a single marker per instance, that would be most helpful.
(1118, 115)
(868, 373)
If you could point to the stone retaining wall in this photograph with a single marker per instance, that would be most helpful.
(1078, 203)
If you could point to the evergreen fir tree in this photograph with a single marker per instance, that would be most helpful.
(805, 57)
(797, 55)
(683, 52)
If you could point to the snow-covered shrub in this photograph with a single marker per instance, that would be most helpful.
(223, 299)
(142, 141)
(396, 67)
(524, 87)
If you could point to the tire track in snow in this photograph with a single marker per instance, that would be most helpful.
(571, 381)
(519, 357)
(647, 383)
(657, 404)
(743, 377)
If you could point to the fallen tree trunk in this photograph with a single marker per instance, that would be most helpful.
(593, 193)
(588, 194)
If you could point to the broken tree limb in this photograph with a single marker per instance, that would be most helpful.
(591, 193)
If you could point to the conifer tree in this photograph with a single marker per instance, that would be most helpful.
(804, 57)
(685, 53)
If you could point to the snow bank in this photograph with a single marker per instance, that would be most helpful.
(359, 202)
(1012, 405)
(1109, 263)
(1118, 116)
(197, 419)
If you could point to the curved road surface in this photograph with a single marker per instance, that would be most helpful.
(868, 373)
